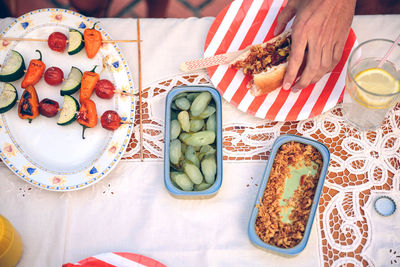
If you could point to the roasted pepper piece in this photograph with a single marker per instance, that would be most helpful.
(93, 40)
(34, 72)
(89, 80)
(87, 115)
(28, 107)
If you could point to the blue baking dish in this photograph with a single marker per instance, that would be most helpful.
(325, 161)
(212, 190)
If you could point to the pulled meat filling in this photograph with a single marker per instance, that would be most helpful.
(261, 58)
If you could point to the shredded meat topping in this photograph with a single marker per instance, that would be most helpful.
(262, 58)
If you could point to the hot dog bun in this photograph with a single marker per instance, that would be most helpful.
(267, 81)
(271, 77)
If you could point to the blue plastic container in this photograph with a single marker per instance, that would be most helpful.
(212, 190)
(325, 158)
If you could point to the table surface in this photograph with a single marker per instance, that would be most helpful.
(131, 211)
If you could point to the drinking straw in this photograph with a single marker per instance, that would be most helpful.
(389, 51)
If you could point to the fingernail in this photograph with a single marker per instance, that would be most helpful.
(295, 89)
(286, 86)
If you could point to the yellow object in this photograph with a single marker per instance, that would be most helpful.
(10, 244)
(379, 83)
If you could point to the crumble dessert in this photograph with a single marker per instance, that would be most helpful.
(270, 225)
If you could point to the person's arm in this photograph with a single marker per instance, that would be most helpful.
(319, 33)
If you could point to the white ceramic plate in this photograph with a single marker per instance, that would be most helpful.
(43, 153)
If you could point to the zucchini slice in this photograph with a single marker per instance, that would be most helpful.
(75, 42)
(13, 69)
(73, 82)
(8, 97)
(68, 111)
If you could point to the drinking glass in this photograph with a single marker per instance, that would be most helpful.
(365, 108)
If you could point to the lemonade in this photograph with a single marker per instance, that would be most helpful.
(370, 91)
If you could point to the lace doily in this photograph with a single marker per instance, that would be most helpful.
(363, 165)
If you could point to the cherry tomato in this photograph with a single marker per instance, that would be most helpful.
(110, 120)
(48, 107)
(53, 76)
(57, 41)
(104, 89)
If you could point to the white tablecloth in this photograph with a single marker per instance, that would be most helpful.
(131, 210)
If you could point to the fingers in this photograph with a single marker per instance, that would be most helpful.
(326, 63)
(296, 58)
(284, 17)
(330, 58)
(312, 68)
(337, 52)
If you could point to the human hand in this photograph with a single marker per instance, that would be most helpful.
(319, 33)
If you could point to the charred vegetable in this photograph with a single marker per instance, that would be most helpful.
(87, 115)
(28, 104)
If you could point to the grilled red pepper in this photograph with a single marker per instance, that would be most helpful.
(93, 40)
(89, 80)
(28, 107)
(34, 72)
(87, 115)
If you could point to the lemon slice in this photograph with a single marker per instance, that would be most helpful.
(376, 81)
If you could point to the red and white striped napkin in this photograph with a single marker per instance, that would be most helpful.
(246, 22)
(117, 259)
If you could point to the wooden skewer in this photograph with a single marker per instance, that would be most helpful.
(123, 92)
(22, 39)
(45, 40)
(140, 92)
(98, 117)
(120, 41)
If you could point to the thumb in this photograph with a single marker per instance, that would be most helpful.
(284, 17)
